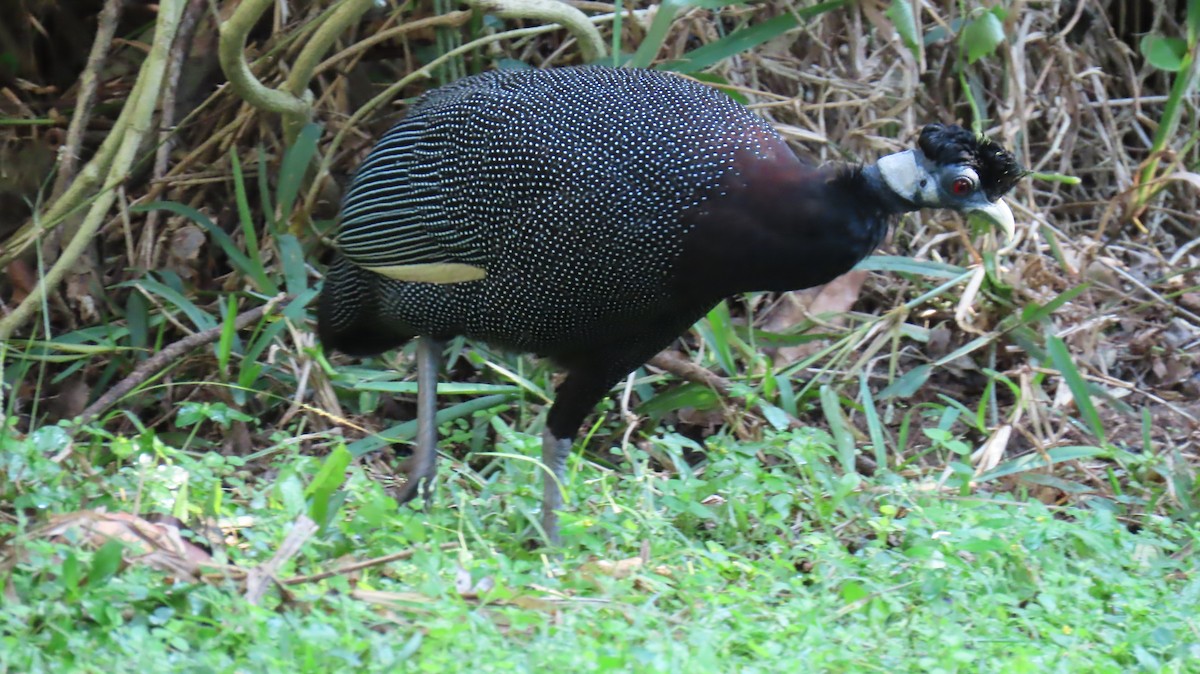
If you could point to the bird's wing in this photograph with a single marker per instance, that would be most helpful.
(395, 219)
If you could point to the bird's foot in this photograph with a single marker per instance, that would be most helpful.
(419, 482)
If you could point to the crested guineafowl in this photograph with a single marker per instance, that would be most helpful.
(590, 215)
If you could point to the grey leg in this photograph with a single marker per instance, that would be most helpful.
(424, 459)
(554, 454)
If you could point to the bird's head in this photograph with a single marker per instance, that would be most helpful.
(953, 168)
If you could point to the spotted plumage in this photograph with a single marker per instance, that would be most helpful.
(565, 187)
(592, 214)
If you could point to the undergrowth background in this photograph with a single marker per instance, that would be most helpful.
(189, 227)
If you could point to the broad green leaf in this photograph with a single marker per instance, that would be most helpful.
(137, 317)
(249, 226)
(963, 350)
(909, 383)
(717, 331)
(512, 64)
(192, 413)
(49, 440)
(721, 83)
(853, 591)
(326, 482)
(1164, 53)
(105, 563)
(774, 415)
(69, 576)
(715, 4)
(905, 22)
(291, 255)
(982, 35)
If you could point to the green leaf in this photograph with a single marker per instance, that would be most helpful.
(105, 563)
(295, 164)
(1164, 53)
(715, 4)
(657, 34)
(745, 39)
(723, 84)
(69, 576)
(695, 396)
(511, 64)
(408, 430)
(1034, 312)
(838, 427)
(905, 23)
(717, 331)
(909, 383)
(963, 350)
(228, 333)
(774, 415)
(49, 440)
(325, 484)
(982, 35)
(195, 314)
(245, 218)
(236, 257)
(899, 263)
(292, 257)
(1036, 461)
(1193, 22)
(239, 191)
(874, 425)
(137, 318)
(853, 591)
(191, 413)
(1061, 357)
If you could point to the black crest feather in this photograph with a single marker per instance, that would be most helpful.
(998, 170)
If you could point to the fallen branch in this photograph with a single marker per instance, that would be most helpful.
(688, 371)
(359, 566)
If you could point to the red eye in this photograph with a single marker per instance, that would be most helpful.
(962, 186)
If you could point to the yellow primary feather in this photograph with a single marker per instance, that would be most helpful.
(432, 272)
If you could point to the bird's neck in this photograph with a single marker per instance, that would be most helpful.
(887, 200)
(788, 227)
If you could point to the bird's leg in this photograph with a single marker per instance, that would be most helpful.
(554, 455)
(586, 383)
(424, 459)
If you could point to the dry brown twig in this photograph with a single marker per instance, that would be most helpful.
(156, 363)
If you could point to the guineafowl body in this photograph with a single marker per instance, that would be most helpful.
(592, 214)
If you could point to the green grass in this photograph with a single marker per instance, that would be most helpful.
(762, 559)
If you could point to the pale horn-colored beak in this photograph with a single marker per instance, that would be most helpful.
(999, 214)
